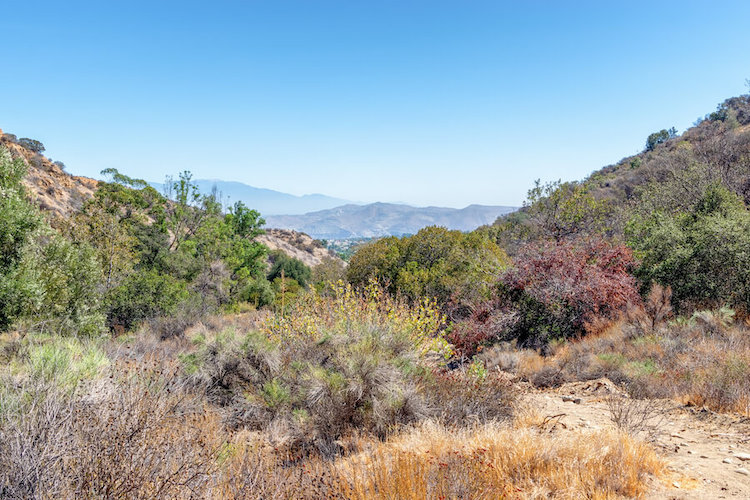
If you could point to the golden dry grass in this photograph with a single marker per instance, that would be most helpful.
(494, 461)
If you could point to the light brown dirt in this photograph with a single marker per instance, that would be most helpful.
(701, 447)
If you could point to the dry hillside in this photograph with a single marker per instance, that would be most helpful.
(61, 193)
(51, 188)
(297, 245)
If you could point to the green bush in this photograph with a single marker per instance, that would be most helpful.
(43, 276)
(703, 253)
(293, 269)
(70, 277)
(143, 296)
(450, 266)
(258, 292)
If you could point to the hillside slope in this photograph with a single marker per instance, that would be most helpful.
(297, 245)
(670, 174)
(50, 186)
(385, 219)
(61, 194)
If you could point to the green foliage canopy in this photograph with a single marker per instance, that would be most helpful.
(703, 253)
(435, 262)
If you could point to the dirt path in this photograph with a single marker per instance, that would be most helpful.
(704, 449)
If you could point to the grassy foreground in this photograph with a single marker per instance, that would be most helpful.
(346, 397)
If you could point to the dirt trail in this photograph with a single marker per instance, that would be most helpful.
(704, 450)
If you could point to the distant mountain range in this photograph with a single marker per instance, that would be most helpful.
(325, 217)
(385, 219)
(266, 201)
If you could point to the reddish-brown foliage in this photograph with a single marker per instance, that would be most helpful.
(563, 289)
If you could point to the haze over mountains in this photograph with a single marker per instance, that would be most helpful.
(385, 219)
(266, 201)
(327, 217)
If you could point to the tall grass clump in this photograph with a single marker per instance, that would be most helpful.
(344, 361)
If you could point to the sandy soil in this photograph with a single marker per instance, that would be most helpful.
(704, 450)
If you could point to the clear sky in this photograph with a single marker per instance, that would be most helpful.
(425, 102)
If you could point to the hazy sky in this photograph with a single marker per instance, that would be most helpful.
(433, 102)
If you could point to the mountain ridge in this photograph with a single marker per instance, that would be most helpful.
(385, 219)
(264, 200)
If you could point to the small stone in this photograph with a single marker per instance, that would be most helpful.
(675, 436)
(728, 461)
(743, 471)
(742, 456)
(676, 484)
(571, 399)
(690, 452)
(704, 456)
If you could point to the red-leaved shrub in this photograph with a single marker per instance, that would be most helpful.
(567, 289)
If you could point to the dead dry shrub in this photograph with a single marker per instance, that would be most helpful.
(253, 469)
(35, 421)
(458, 398)
(135, 435)
(548, 376)
(637, 417)
(646, 318)
(145, 438)
(501, 357)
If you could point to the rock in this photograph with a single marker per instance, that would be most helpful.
(675, 436)
(743, 471)
(728, 461)
(704, 456)
(742, 456)
(676, 484)
(571, 399)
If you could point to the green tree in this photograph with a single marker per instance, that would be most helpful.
(31, 144)
(660, 137)
(560, 210)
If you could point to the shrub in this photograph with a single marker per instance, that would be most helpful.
(703, 254)
(459, 396)
(43, 276)
(564, 289)
(329, 271)
(435, 263)
(562, 210)
(69, 276)
(258, 292)
(292, 268)
(31, 144)
(143, 296)
(485, 325)
(330, 366)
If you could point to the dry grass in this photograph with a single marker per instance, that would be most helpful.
(494, 461)
(703, 360)
(144, 417)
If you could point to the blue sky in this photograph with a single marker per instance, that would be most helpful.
(426, 102)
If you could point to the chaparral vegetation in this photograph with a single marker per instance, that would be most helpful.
(152, 347)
